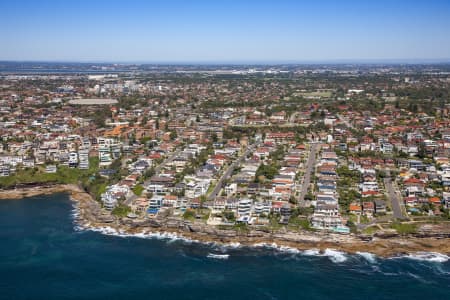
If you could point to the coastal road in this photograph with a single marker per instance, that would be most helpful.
(392, 193)
(229, 171)
(309, 168)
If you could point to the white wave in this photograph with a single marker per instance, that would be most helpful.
(260, 245)
(106, 230)
(335, 256)
(226, 246)
(265, 245)
(233, 245)
(274, 246)
(167, 236)
(217, 246)
(370, 257)
(75, 212)
(428, 256)
(218, 256)
(289, 250)
(78, 228)
(312, 252)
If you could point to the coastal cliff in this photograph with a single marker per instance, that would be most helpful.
(434, 239)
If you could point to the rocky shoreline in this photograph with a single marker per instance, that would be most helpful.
(383, 244)
(36, 190)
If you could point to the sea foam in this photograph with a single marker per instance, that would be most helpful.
(167, 236)
(428, 256)
(370, 257)
(311, 252)
(335, 256)
(218, 256)
(274, 246)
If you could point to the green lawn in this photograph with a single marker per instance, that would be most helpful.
(189, 214)
(299, 223)
(316, 94)
(370, 230)
(63, 175)
(404, 228)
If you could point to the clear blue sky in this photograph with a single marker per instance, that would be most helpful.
(224, 31)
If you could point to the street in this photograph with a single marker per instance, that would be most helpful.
(307, 176)
(345, 120)
(133, 198)
(165, 162)
(229, 171)
(395, 202)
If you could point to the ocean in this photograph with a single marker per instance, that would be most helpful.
(44, 255)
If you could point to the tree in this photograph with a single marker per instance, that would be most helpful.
(138, 189)
(421, 151)
(402, 154)
(229, 215)
(149, 173)
(322, 114)
(266, 171)
(121, 210)
(214, 137)
(292, 200)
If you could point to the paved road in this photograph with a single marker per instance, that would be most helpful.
(229, 171)
(346, 121)
(395, 201)
(163, 164)
(309, 168)
(292, 118)
(130, 200)
(133, 197)
(167, 160)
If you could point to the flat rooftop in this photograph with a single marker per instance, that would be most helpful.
(92, 101)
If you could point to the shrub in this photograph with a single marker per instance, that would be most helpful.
(189, 214)
(121, 210)
(404, 228)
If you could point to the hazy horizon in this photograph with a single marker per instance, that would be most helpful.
(262, 63)
(443, 61)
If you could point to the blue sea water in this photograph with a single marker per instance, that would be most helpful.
(43, 256)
